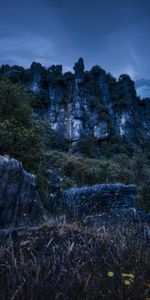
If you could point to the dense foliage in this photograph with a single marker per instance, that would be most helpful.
(18, 132)
(31, 140)
(80, 171)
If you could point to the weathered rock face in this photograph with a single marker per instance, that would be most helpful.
(20, 203)
(87, 103)
(101, 131)
(79, 69)
(103, 198)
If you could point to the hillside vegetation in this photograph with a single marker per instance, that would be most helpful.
(33, 142)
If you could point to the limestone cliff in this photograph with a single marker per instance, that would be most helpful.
(85, 104)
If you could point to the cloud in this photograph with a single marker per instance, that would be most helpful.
(129, 69)
(134, 56)
(143, 92)
(109, 33)
(22, 50)
(143, 87)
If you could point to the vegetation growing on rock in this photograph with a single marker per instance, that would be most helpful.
(33, 106)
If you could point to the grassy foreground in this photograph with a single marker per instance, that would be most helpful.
(76, 262)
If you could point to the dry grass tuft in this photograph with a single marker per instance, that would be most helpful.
(74, 262)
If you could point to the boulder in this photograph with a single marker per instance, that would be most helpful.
(20, 204)
(102, 198)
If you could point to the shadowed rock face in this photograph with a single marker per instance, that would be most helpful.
(20, 203)
(100, 198)
(86, 103)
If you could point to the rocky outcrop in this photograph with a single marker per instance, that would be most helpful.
(103, 198)
(20, 204)
(86, 103)
(79, 69)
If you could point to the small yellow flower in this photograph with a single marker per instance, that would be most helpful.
(110, 274)
(127, 282)
(128, 275)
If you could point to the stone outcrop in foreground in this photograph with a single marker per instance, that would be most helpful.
(101, 198)
(20, 203)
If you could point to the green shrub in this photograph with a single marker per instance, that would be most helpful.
(19, 136)
(14, 103)
(78, 171)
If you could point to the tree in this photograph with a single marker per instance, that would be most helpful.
(19, 136)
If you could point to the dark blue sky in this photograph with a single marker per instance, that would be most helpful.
(112, 33)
